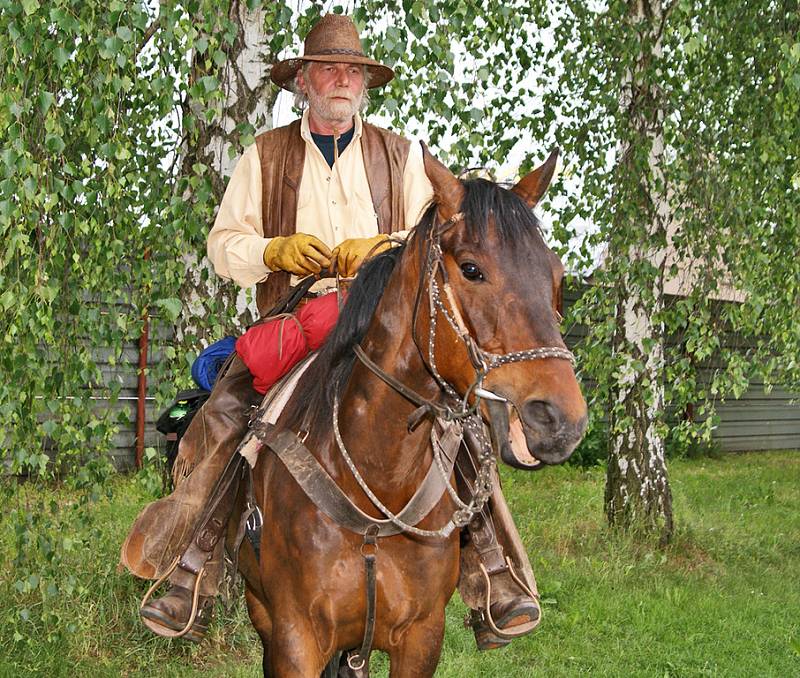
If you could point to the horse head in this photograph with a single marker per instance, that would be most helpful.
(498, 333)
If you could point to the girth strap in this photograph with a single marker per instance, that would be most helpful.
(329, 498)
(369, 552)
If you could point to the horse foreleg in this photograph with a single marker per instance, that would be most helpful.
(261, 622)
(294, 652)
(417, 655)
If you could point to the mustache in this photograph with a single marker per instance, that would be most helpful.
(340, 94)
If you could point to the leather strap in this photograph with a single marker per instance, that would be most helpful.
(483, 536)
(213, 524)
(369, 551)
(425, 406)
(480, 527)
(249, 521)
(329, 498)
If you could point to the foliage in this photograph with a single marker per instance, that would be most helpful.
(731, 170)
(612, 606)
(465, 76)
(90, 130)
(102, 103)
(593, 449)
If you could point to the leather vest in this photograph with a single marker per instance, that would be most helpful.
(282, 152)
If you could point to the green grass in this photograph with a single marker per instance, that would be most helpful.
(722, 600)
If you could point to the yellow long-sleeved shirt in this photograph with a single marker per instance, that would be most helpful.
(333, 204)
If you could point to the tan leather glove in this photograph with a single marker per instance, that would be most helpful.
(350, 254)
(301, 254)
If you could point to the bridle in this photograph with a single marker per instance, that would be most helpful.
(482, 361)
(455, 408)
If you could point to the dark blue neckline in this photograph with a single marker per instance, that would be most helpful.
(324, 143)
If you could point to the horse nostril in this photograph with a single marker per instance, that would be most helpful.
(541, 414)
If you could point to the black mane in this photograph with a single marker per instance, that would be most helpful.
(514, 221)
(328, 373)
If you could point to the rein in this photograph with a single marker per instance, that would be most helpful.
(459, 410)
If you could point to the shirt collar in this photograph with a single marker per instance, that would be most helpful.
(305, 130)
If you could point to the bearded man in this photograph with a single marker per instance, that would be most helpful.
(325, 191)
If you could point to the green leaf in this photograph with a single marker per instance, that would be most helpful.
(172, 306)
(209, 83)
(124, 33)
(30, 6)
(7, 300)
(61, 56)
(46, 100)
(54, 143)
(794, 644)
(219, 58)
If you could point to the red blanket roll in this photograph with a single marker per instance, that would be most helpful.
(270, 349)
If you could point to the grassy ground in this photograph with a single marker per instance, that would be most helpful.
(722, 600)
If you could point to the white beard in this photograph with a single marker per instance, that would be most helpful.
(334, 110)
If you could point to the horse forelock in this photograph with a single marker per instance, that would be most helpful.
(487, 203)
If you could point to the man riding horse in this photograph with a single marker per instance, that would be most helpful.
(324, 192)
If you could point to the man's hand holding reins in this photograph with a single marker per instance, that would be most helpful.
(350, 253)
(301, 254)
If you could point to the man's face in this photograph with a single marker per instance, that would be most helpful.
(334, 90)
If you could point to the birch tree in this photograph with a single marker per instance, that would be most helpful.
(675, 119)
(637, 489)
(228, 99)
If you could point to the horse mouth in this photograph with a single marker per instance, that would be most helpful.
(530, 445)
(509, 439)
(517, 446)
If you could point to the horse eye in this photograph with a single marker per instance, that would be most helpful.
(471, 271)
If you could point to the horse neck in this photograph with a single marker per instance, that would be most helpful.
(373, 416)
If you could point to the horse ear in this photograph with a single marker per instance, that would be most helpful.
(448, 191)
(532, 187)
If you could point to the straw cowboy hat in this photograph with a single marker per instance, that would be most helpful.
(334, 39)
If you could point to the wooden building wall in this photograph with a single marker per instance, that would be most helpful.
(755, 421)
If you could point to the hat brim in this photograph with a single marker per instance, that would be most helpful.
(283, 72)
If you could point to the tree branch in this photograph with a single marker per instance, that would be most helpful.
(149, 32)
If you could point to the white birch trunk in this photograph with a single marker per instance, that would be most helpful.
(244, 79)
(638, 495)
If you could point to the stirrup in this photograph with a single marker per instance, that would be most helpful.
(486, 613)
(164, 630)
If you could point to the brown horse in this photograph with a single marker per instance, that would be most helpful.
(467, 306)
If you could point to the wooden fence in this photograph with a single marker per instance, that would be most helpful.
(755, 421)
